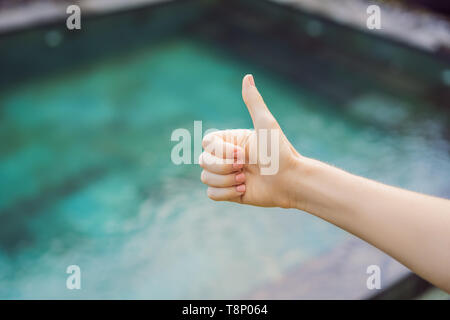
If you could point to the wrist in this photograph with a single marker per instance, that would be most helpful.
(320, 189)
(300, 179)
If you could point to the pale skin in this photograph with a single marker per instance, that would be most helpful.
(411, 227)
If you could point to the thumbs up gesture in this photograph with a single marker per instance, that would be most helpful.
(260, 167)
(250, 166)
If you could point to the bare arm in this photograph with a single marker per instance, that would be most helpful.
(411, 227)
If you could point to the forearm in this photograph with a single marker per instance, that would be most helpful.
(411, 227)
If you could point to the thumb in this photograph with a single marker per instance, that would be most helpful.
(261, 116)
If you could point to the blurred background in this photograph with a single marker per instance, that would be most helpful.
(86, 118)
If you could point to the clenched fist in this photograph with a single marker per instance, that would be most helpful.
(249, 166)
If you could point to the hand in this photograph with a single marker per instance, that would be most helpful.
(234, 164)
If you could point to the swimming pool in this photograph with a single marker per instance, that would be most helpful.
(86, 176)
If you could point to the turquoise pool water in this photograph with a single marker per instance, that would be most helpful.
(86, 176)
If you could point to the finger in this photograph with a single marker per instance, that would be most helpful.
(222, 181)
(216, 145)
(261, 116)
(233, 136)
(217, 165)
(226, 194)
